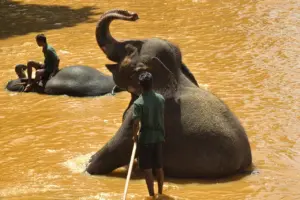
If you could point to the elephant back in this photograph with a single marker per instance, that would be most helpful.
(79, 81)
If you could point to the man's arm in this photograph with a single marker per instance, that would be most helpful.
(136, 129)
(163, 115)
(137, 112)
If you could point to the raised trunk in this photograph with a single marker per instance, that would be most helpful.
(113, 49)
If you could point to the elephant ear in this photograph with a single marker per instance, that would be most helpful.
(165, 81)
(157, 62)
(160, 68)
(163, 78)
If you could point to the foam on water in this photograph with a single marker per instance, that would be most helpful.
(26, 189)
(78, 164)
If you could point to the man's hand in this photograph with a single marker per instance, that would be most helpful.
(136, 128)
(135, 138)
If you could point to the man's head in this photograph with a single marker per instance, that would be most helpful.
(41, 39)
(145, 81)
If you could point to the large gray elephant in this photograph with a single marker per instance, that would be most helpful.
(203, 137)
(79, 81)
(115, 50)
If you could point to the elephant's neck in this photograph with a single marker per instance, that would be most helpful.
(183, 81)
(174, 85)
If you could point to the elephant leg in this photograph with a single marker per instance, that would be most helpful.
(116, 153)
(133, 98)
(188, 74)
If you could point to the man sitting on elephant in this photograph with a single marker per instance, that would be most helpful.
(43, 71)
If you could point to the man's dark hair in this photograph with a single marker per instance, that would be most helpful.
(145, 81)
(41, 37)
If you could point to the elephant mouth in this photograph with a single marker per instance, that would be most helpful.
(130, 85)
(131, 15)
(127, 14)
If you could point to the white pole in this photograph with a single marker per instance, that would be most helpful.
(129, 170)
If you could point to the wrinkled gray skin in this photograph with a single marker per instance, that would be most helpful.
(115, 50)
(203, 137)
(79, 81)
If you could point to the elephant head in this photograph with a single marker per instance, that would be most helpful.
(125, 73)
(18, 85)
(116, 50)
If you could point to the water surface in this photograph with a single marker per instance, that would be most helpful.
(247, 52)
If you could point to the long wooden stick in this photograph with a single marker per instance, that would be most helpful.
(129, 170)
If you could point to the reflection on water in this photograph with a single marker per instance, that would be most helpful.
(246, 52)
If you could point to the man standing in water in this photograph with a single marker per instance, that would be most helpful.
(43, 71)
(149, 112)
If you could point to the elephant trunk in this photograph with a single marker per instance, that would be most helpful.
(110, 46)
(110, 157)
(116, 153)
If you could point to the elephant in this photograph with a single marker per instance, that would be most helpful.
(78, 81)
(203, 137)
(115, 50)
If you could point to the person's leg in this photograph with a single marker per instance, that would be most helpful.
(160, 180)
(159, 167)
(30, 65)
(19, 69)
(145, 163)
(149, 181)
(39, 74)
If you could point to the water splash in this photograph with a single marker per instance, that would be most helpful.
(78, 164)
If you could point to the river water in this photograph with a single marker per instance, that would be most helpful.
(245, 51)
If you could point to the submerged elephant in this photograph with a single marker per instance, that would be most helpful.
(77, 81)
(203, 137)
(115, 50)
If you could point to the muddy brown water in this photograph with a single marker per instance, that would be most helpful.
(245, 52)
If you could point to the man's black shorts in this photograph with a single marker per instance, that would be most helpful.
(150, 156)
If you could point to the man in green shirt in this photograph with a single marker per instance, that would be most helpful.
(43, 70)
(148, 110)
